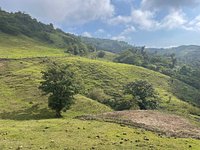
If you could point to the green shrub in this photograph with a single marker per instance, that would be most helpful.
(126, 102)
(101, 54)
(98, 95)
(144, 94)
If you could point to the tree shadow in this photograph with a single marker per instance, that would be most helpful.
(32, 113)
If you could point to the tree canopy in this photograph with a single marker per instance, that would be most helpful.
(144, 93)
(59, 83)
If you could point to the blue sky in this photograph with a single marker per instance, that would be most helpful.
(153, 23)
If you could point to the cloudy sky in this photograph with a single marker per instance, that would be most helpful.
(153, 23)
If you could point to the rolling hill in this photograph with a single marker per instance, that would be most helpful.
(189, 54)
(26, 122)
(20, 79)
(24, 107)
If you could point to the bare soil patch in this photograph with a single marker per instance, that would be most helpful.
(168, 124)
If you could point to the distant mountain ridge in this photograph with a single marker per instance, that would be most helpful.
(179, 50)
(189, 54)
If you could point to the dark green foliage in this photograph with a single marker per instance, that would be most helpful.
(173, 60)
(126, 102)
(59, 82)
(106, 44)
(189, 54)
(22, 24)
(185, 66)
(143, 93)
(185, 70)
(101, 54)
(79, 49)
(168, 65)
(130, 57)
(138, 56)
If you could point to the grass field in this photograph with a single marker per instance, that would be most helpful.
(23, 47)
(27, 123)
(60, 134)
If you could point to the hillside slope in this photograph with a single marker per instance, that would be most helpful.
(20, 79)
(26, 122)
(20, 24)
(24, 47)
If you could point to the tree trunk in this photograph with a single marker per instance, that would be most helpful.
(58, 114)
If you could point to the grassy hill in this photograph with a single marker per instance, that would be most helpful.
(26, 122)
(20, 79)
(23, 47)
(20, 24)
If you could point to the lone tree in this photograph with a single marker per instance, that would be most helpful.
(60, 84)
(144, 93)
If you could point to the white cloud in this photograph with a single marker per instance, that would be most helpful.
(128, 30)
(147, 17)
(86, 34)
(64, 11)
(146, 20)
(120, 20)
(175, 19)
(143, 19)
(125, 35)
(100, 31)
(119, 38)
(194, 24)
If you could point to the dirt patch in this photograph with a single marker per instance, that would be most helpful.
(168, 124)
